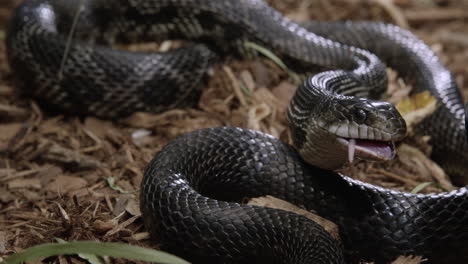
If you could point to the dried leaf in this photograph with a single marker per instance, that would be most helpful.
(65, 155)
(417, 108)
(417, 160)
(270, 201)
(133, 207)
(409, 260)
(9, 131)
(98, 127)
(25, 183)
(3, 242)
(284, 92)
(64, 184)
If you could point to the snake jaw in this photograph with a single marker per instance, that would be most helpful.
(365, 142)
(373, 150)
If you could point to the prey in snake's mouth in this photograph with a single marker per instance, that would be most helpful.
(368, 149)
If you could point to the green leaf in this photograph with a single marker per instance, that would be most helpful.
(267, 53)
(93, 259)
(116, 250)
(421, 187)
(245, 89)
(114, 186)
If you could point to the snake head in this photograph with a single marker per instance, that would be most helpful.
(366, 129)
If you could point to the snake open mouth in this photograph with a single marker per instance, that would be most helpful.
(369, 149)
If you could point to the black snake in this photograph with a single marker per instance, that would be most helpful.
(330, 123)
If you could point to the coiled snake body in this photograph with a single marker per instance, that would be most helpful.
(331, 123)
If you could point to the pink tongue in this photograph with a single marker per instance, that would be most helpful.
(382, 149)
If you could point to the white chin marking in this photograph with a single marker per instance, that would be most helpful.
(351, 149)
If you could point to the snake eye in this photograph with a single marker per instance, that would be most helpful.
(360, 116)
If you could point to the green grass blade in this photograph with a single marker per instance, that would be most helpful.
(92, 259)
(270, 55)
(421, 187)
(267, 53)
(116, 250)
(244, 89)
(114, 186)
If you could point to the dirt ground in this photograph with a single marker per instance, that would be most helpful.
(78, 178)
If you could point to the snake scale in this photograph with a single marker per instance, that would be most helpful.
(191, 190)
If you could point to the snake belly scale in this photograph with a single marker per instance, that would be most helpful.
(191, 189)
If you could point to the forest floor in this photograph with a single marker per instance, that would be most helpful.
(78, 178)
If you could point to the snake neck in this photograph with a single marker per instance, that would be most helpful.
(315, 144)
(321, 148)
